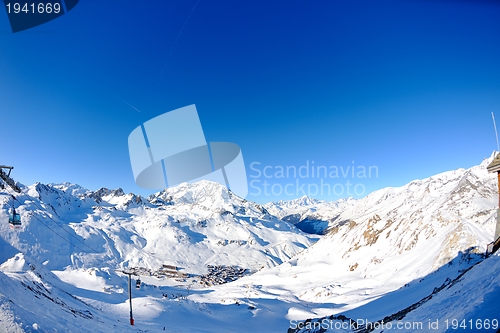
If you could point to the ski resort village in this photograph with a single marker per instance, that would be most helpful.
(198, 258)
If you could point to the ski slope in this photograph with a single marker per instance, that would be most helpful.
(415, 250)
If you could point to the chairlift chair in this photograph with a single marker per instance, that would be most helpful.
(14, 218)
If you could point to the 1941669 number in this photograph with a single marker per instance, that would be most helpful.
(471, 324)
(40, 8)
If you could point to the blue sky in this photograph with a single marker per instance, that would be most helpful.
(405, 86)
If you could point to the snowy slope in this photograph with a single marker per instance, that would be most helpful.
(411, 238)
(189, 226)
(467, 303)
(32, 300)
(381, 255)
(73, 239)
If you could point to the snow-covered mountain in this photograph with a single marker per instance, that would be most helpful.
(310, 215)
(404, 241)
(452, 193)
(189, 226)
(398, 253)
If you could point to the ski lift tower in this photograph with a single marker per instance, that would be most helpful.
(494, 166)
(5, 176)
(130, 272)
(14, 218)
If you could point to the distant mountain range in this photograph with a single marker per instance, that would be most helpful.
(397, 253)
(190, 226)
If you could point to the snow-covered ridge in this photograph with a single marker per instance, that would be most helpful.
(191, 226)
(406, 240)
(379, 255)
(207, 195)
(320, 216)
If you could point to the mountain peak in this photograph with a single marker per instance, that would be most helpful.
(103, 192)
(304, 200)
(203, 191)
(488, 160)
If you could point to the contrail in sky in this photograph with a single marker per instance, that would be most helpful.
(133, 107)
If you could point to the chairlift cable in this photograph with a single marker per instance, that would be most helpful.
(60, 226)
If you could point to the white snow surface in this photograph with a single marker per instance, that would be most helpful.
(379, 255)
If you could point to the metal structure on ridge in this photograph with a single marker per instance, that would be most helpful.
(14, 217)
